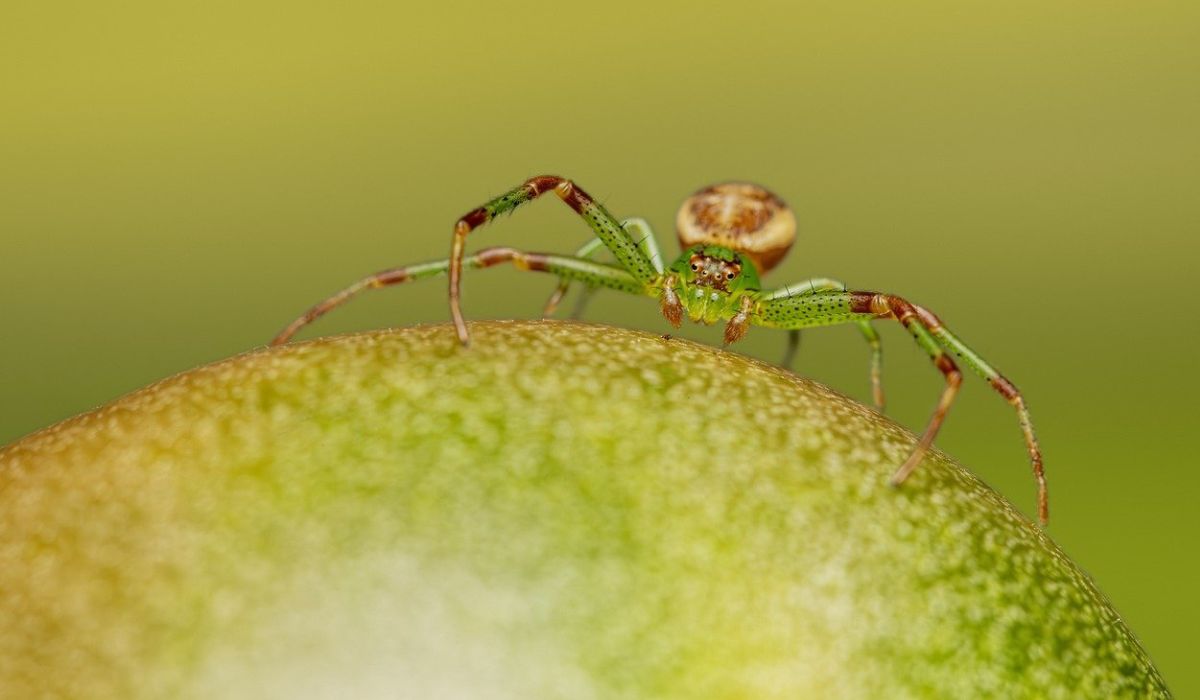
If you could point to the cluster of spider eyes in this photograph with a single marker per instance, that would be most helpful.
(696, 268)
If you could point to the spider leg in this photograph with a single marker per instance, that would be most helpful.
(586, 251)
(619, 241)
(834, 308)
(818, 285)
(585, 296)
(646, 241)
(566, 267)
(790, 350)
(1004, 387)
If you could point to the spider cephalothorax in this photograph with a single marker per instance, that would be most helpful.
(711, 283)
(713, 267)
(730, 234)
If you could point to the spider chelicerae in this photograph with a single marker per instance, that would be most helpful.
(730, 234)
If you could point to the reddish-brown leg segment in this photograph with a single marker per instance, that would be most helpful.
(375, 281)
(566, 267)
(1002, 386)
(887, 306)
(606, 228)
(927, 328)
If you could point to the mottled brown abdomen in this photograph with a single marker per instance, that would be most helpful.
(739, 215)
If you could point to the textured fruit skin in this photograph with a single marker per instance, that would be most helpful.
(561, 511)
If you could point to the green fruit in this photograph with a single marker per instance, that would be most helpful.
(561, 511)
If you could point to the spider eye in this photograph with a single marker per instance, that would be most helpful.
(695, 267)
(729, 276)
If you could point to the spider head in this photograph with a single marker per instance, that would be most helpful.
(742, 217)
(717, 267)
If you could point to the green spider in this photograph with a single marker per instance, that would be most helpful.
(730, 234)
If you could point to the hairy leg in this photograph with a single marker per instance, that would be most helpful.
(1004, 387)
(818, 285)
(642, 234)
(566, 267)
(606, 228)
(587, 251)
(833, 308)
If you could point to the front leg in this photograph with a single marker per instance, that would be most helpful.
(834, 308)
(647, 243)
(818, 285)
(591, 273)
(606, 228)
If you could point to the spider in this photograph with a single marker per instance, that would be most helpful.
(730, 233)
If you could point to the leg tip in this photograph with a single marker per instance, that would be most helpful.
(460, 328)
(907, 468)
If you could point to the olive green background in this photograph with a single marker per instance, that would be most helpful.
(178, 180)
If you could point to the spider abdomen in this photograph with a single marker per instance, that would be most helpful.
(741, 216)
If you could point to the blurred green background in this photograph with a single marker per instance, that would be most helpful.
(179, 180)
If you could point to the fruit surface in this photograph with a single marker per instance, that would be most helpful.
(561, 511)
